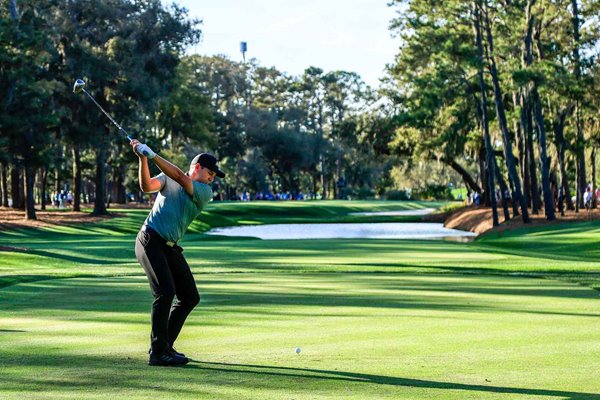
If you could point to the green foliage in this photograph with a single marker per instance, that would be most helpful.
(433, 192)
(433, 81)
(434, 77)
(398, 195)
(361, 193)
(271, 130)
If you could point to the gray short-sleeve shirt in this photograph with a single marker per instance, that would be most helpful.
(174, 209)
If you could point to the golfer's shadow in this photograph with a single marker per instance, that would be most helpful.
(318, 374)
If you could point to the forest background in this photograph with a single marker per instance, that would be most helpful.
(497, 97)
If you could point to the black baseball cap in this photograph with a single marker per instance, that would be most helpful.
(208, 161)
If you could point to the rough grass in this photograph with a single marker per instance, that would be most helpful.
(508, 317)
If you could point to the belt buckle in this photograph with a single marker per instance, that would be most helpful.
(170, 244)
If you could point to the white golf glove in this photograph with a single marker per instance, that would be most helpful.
(146, 151)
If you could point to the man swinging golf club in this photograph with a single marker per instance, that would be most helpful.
(181, 197)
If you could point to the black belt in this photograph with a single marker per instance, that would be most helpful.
(147, 229)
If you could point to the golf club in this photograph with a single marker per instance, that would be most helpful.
(79, 87)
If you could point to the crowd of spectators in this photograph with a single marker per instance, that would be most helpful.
(282, 196)
(590, 197)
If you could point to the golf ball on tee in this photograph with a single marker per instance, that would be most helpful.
(298, 350)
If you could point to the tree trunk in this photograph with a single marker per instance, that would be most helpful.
(520, 137)
(534, 186)
(43, 183)
(469, 181)
(22, 190)
(513, 200)
(483, 176)
(580, 147)
(4, 183)
(578, 198)
(339, 182)
(57, 180)
(108, 190)
(321, 154)
(526, 154)
(508, 150)
(489, 150)
(119, 187)
(14, 13)
(539, 119)
(16, 192)
(29, 183)
(100, 182)
(593, 161)
(527, 106)
(323, 177)
(76, 177)
(561, 145)
(505, 195)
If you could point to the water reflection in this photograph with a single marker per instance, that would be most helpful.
(387, 230)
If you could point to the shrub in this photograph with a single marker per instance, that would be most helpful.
(363, 193)
(398, 195)
(433, 192)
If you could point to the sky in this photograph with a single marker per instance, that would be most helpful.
(350, 35)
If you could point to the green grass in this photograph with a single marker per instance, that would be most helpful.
(510, 317)
(460, 192)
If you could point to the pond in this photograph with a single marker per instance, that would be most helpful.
(386, 230)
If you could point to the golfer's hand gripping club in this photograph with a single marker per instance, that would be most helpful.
(142, 149)
(146, 151)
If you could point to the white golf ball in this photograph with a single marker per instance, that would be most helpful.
(298, 350)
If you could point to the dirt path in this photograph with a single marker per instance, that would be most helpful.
(10, 218)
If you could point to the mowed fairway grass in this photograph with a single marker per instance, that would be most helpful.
(510, 317)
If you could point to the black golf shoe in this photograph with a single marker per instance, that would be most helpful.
(166, 358)
(172, 349)
(178, 354)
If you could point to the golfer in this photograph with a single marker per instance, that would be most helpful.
(181, 197)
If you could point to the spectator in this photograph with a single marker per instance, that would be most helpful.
(587, 198)
(61, 198)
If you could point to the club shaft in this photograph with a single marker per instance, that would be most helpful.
(109, 117)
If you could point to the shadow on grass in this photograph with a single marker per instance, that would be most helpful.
(327, 375)
(585, 278)
(117, 375)
(75, 259)
(83, 295)
(238, 294)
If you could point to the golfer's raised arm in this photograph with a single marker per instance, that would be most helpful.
(147, 184)
(173, 172)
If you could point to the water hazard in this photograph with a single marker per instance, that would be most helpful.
(386, 230)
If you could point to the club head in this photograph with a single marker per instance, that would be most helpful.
(78, 86)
